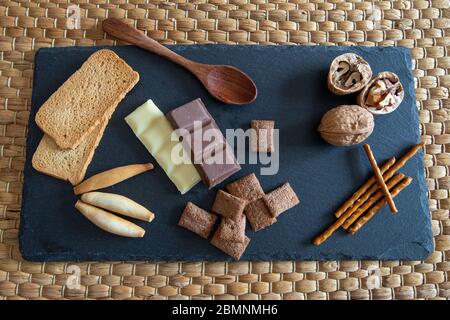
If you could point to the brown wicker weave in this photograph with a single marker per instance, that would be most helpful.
(420, 25)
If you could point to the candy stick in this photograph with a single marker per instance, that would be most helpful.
(379, 177)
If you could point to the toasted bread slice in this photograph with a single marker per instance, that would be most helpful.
(67, 164)
(91, 94)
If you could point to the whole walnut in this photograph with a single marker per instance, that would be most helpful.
(346, 125)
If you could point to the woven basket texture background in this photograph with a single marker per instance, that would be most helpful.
(422, 26)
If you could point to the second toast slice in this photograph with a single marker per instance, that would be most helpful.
(67, 164)
(91, 94)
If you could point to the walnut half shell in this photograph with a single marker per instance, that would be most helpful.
(346, 125)
(348, 73)
(383, 94)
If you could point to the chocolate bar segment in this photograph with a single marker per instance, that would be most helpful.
(204, 141)
(215, 172)
(211, 154)
(184, 116)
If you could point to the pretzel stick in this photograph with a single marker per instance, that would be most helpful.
(344, 214)
(379, 177)
(361, 201)
(372, 200)
(347, 204)
(348, 214)
(330, 230)
(374, 210)
(386, 176)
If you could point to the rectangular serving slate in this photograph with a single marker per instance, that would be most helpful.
(292, 91)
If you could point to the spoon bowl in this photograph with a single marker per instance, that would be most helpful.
(230, 85)
(226, 83)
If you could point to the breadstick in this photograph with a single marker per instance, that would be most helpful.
(373, 199)
(118, 204)
(379, 177)
(347, 204)
(364, 219)
(386, 176)
(109, 222)
(111, 177)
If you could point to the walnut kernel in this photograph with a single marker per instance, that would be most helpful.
(383, 94)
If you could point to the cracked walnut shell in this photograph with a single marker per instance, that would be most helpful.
(346, 125)
(383, 94)
(348, 73)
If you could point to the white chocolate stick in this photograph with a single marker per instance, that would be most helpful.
(118, 204)
(109, 222)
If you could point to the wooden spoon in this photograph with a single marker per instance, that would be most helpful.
(225, 83)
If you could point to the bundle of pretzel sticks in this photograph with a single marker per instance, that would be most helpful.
(371, 197)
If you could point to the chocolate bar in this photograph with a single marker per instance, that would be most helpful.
(211, 154)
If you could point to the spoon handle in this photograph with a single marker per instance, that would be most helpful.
(124, 32)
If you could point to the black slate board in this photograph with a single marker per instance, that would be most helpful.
(292, 91)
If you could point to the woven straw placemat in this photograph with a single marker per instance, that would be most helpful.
(422, 26)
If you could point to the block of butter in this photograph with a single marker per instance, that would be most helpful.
(153, 129)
